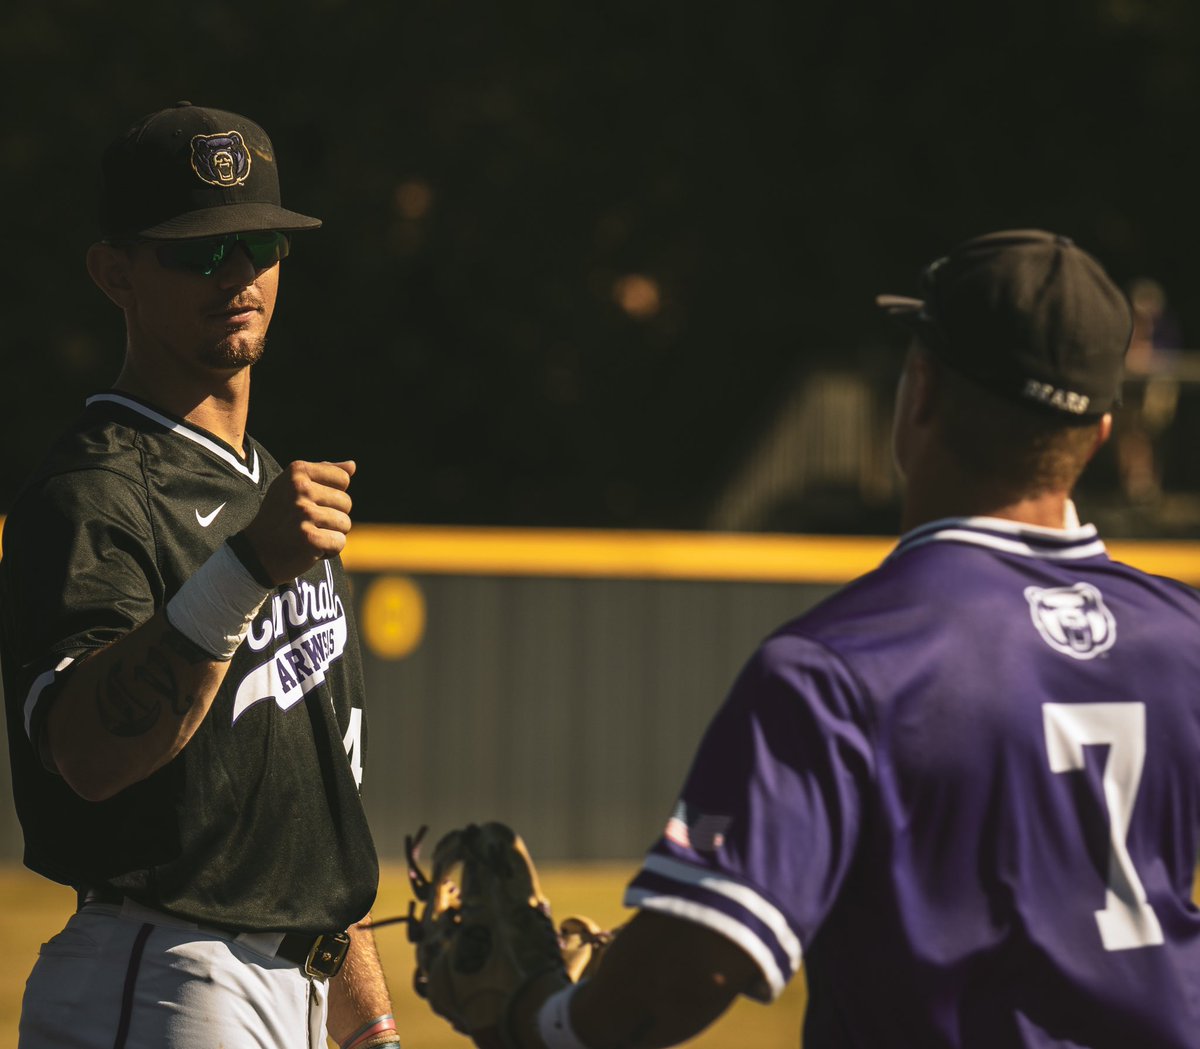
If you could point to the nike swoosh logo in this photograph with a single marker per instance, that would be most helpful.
(208, 519)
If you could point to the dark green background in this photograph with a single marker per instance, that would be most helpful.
(772, 165)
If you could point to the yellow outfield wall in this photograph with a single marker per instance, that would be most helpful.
(595, 553)
(581, 553)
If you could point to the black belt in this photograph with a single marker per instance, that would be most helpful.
(319, 956)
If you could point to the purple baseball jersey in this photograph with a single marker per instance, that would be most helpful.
(964, 792)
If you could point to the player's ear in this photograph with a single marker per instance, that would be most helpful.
(1103, 433)
(109, 268)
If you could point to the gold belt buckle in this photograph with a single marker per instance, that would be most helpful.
(325, 959)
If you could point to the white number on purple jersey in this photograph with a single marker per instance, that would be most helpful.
(1127, 920)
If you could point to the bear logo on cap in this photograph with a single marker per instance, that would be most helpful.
(221, 160)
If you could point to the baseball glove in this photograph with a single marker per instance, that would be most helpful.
(484, 933)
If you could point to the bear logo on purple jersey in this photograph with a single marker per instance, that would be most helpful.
(222, 159)
(1073, 620)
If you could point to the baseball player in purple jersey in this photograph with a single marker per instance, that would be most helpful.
(964, 792)
(181, 669)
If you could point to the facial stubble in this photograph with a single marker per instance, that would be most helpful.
(235, 352)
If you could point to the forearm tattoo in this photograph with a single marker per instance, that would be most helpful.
(122, 711)
(131, 702)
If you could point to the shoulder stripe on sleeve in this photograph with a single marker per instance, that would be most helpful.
(40, 683)
(766, 912)
(727, 906)
(718, 921)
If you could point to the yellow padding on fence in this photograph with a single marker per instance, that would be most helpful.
(583, 553)
(666, 555)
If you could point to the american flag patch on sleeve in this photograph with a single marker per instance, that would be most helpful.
(693, 829)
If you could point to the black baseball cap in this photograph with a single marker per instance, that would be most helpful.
(187, 171)
(1028, 315)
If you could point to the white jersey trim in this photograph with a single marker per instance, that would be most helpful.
(39, 686)
(1025, 540)
(773, 980)
(742, 895)
(251, 471)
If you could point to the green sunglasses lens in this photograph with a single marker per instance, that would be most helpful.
(196, 256)
(265, 249)
(205, 255)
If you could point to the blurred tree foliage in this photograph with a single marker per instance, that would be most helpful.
(574, 252)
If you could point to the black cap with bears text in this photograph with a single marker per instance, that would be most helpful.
(1028, 315)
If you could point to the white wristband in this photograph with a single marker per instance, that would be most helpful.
(554, 1021)
(215, 607)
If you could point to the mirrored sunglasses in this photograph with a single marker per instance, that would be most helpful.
(206, 255)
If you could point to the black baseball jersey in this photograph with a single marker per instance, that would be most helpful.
(258, 823)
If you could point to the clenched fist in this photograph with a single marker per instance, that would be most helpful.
(304, 518)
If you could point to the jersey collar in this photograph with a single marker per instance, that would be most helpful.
(1072, 543)
(249, 469)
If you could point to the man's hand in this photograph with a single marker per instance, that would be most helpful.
(304, 518)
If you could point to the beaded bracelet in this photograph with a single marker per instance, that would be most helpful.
(377, 1032)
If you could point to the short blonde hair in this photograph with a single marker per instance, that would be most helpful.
(1026, 448)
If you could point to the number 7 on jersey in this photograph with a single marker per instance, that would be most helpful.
(1127, 920)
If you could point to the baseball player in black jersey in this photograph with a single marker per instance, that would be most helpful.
(181, 667)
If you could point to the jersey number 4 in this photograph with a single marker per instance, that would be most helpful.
(1127, 920)
(352, 741)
